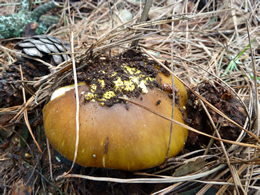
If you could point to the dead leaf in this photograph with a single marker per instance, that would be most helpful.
(190, 167)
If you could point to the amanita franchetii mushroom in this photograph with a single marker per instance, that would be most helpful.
(112, 133)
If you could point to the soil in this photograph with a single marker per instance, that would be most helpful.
(225, 102)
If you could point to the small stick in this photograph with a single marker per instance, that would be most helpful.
(143, 18)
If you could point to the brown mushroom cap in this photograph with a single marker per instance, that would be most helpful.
(124, 136)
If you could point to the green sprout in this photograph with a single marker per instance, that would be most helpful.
(235, 61)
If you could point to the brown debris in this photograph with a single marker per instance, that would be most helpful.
(223, 101)
(11, 85)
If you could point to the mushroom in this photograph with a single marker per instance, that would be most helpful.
(120, 136)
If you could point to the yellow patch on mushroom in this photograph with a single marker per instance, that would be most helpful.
(135, 80)
(109, 94)
(93, 88)
(130, 70)
(119, 84)
(113, 74)
(129, 85)
(102, 83)
(89, 96)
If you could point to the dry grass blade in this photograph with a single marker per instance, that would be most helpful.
(9, 109)
(49, 155)
(173, 103)
(256, 102)
(257, 125)
(25, 114)
(21, 109)
(163, 179)
(224, 188)
(77, 104)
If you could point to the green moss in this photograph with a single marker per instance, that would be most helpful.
(13, 25)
